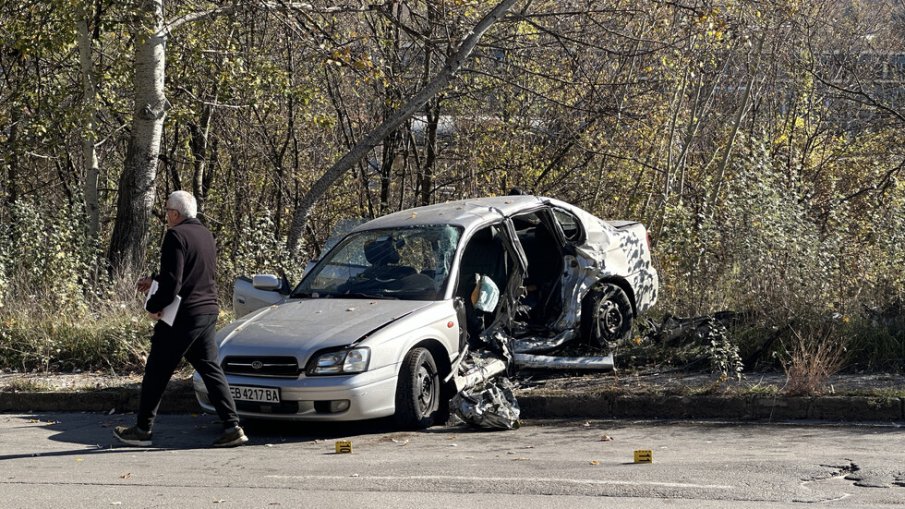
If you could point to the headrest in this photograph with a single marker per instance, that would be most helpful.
(381, 252)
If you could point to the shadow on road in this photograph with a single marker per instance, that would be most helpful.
(92, 433)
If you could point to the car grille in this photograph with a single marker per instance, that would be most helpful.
(276, 367)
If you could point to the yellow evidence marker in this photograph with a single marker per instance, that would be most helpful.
(343, 447)
(644, 456)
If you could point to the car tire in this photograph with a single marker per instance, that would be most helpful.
(607, 316)
(417, 390)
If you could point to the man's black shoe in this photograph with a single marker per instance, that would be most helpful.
(231, 438)
(133, 436)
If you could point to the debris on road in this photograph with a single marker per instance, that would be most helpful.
(490, 405)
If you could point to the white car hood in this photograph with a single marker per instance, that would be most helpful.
(303, 326)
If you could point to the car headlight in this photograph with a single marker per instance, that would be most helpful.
(340, 362)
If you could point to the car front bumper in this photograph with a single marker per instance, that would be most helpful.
(370, 395)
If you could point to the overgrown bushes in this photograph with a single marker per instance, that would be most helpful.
(817, 278)
(819, 284)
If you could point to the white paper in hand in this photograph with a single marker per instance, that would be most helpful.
(168, 314)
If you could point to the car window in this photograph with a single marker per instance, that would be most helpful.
(569, 224)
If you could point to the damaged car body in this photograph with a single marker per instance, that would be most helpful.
(416, 307)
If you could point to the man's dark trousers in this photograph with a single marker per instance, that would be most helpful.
(191, 337)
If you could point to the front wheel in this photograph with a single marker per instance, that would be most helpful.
(418, 390)
(607, 316)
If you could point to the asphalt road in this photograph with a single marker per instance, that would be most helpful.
(67, 460)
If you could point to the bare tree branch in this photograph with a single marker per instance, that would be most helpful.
(394, 120)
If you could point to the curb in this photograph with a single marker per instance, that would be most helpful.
(178, 399)
(732, 408)
(181, 399)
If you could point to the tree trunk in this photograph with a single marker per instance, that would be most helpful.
(200, 135)
(360, 150)
(432, 116)
(135, 195)
(89, 154)
(736, 125)
(12, 143)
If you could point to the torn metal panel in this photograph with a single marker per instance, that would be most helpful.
(478, 368)
(523, 360)
(576, 282)
(540, 345)
(491, 406)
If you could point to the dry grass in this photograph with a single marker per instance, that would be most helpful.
(816, 352)
(105, 330)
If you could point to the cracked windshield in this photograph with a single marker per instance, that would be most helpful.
(403, 263)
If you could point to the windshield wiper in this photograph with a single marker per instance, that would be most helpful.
(358, 295)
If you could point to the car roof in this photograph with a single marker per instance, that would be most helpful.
(468, 213)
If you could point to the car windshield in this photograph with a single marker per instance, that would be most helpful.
(410, 263)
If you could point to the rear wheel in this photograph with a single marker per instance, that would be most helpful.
(608, 316)
(418, 390)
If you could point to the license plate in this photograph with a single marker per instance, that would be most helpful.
(259, 394)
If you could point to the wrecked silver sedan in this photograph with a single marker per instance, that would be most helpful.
(415, 307)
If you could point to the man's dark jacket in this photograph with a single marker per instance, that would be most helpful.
(188, 263)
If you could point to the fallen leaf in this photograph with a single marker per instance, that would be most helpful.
(595, 462)
(219, 501)
(126, 475)
(80, 459)
(606, 438)
(521, 459)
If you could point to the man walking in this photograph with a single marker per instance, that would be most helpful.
(188, 260)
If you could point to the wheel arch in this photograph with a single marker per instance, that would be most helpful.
(441, 359)
(621, 283)
(415, 418)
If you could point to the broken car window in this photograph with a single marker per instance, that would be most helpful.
(571, 227)
(409, 263)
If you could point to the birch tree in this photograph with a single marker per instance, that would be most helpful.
(136, 185)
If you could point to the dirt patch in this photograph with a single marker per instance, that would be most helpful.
(684, 384)
(74, 382)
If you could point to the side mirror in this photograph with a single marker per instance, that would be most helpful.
(266, 282)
